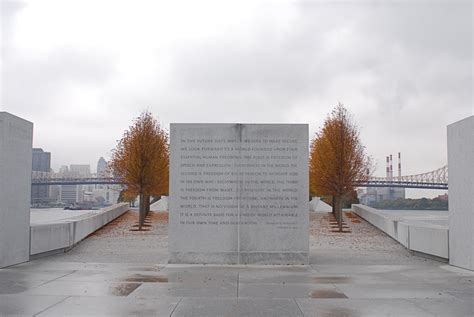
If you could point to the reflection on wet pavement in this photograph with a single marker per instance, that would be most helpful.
(123, 289)
(146, 278)
(327, 294)
(332, 279)
(146, 268)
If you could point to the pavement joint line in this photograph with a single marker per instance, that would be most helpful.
(51, 306)
(299, 308)
(54, 279)
(176, 306)
(238, 283)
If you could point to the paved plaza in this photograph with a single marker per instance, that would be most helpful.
(121, 272)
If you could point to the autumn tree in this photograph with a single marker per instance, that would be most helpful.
(141, 160)
(125, 196)
(337, 159)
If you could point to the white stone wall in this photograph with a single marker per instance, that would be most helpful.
(418, 236)
(65, 233)
(461, 193)
(16, 137)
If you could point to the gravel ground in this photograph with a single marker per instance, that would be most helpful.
(363, 235)
(116, 243)
(365, 244)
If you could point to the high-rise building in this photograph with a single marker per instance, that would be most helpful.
(41, 162)
(73, 193)
(101, 167)
(69, 194)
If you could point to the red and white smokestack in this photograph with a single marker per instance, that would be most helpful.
(388, 169)
(391, 167)
(399, 166)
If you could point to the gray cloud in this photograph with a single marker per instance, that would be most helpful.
(404, 68)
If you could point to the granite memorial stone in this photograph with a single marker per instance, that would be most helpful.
(239, 194)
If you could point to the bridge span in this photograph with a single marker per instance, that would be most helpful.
(437, 179)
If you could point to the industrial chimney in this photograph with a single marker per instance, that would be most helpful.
(391, 167)
(399, 166)
(388, 169)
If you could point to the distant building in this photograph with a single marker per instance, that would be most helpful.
(69, 194)
(101, 167)
(41, 162)
(373, 195)
(63, 170)
(73, 193)
(443, 197)
(81, 169)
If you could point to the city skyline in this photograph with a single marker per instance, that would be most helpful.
(403, 69)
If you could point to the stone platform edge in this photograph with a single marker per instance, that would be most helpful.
(430, 240)
(244, 258)
(63, 234)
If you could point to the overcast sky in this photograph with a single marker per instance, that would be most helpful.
(82, 70)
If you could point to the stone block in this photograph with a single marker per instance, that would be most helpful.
(48, 237)
(461, 193)
(239, 193)
(403, 234)
(429, 240)
(16, 137)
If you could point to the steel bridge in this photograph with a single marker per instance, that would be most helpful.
(437, 179)
(76, 181)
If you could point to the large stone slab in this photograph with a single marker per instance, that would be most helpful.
(239, 194)
(461, 193)
(16, 137)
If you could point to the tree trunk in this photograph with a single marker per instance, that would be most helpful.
(338, 205)
(147, 205)
(141, 212)
(334, 206)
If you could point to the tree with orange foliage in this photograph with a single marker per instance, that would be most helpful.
(141, 160)
(337, 159)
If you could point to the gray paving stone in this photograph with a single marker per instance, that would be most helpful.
(456, 270)
(21, 275)
(359, 269)
(122, 276)
(394, 291)
(26, 305)
(360, 307)
(19, 286)
(359, 256)
(388, 283)
(319, 278)
(209, 278)
(289, 291)
(53, 264)
(261, 277)
(112, 306)
(466, 293)
(71, 288)
(236, 307)
(446, 307)
(158, 290)
(177, 268)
